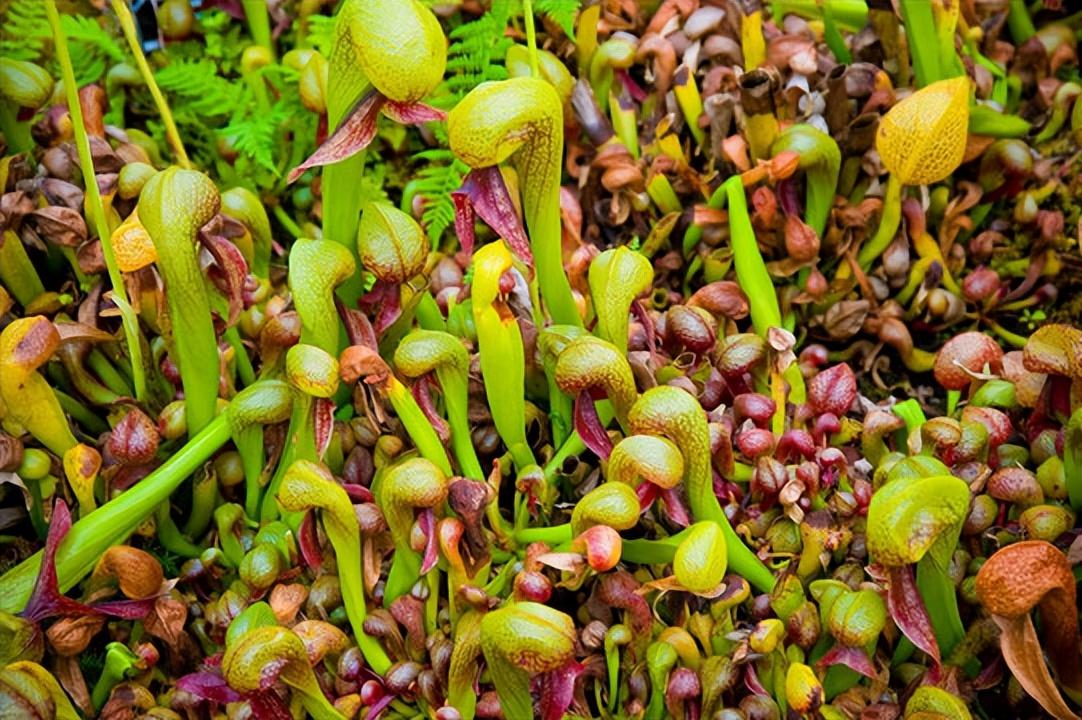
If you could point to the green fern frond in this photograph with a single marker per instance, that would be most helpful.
(198, 87)
(25, 30)
(92, 47)
(374, 185)
(321, 33)
(258, 134)
(561, 12)
(85, 29)
(439, 176)
(475, 55)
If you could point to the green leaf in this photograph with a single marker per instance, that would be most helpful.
(561, 12)
(258, 135)
(26, 30)
(439, 176)
(198, 87)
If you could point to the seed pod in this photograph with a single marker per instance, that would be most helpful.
(981, 284)
(134, 440)
(1015, 485)
(857, 618)
(27, 85)
(982, 513)
(391, 243)
(756, 406)
(1052, 478)
(928, 701)
(132, 178)
(803, 691)
(922, 139)
(1046, 522)
(803, 626)
(833, 390)
(700, 560)
(970, 351)
(601, 545)
(739, 353)
(690, 327)
(766, 635)
(260, 567)
(801, 242)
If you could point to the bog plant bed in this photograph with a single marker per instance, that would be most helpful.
(459, 359)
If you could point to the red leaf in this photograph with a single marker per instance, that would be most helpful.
(588, 426)
(126, 609)
(308, 541)
(427, 520)
(490, 198)
(908, 611)
(464, 220)
(833, 390)
(323, 419)
(413, 113)
(420, 393)
(640, 313)
(353, 135)
(232, 8)
(46, 600)
(386, 300)
(377, 708)
(208, 686)
(229, 273)
(637, 93)
(358, 493)
(751, 681)
(269, 706)
(647, 492)
(853, 658)
(558, 690)
(678, 512)
(358, 328)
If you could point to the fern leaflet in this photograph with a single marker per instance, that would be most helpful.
(440, 175)
(199, 87)
(561, 12)
(91, 47)
(26, 30)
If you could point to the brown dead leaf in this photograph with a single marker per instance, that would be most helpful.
(286, 601)
(166, 620)
(70, 676)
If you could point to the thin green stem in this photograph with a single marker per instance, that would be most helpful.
(81, 413)
(255, 12)
(93, 198)
(1072, 459)
(554, 535)
(108, 374)
(751, 271)
(15, 132)
(888, 223)
(240, 356)
(172, 135)
(170, 536)
(17, 271)
(920, 32)
(111, 523)
(287, 222)
(941, 600)
(1019, 22)
(531, 36)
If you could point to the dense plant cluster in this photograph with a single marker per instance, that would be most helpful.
(478, 359)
